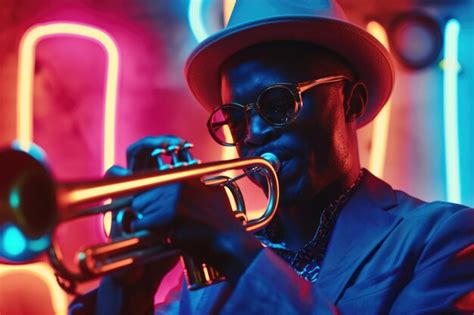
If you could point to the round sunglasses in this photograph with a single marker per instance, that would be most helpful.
(278, 105)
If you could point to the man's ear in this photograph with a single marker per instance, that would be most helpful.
(356, 101)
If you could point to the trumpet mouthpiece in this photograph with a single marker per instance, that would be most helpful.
(273, 159)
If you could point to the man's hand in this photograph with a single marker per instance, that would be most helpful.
(199, 217)
(132, 291)
(149, 275)
(199, 221)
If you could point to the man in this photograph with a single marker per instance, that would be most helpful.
(297, 81)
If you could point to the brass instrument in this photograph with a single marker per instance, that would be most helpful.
(33, 201)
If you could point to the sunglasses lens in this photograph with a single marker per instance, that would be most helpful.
(277, 105)
(228, 124)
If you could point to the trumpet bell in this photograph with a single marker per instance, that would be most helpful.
(27, 194)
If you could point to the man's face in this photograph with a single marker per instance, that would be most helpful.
(315, 149)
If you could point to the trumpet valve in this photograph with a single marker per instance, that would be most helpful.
(158, 155)
(187, 154)
(173, 150)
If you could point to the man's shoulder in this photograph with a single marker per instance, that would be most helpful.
(412, 208)
(425, 247)
(415, 213)
(425, 220)
(402, 204)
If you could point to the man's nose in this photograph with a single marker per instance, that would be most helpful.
(259, 131)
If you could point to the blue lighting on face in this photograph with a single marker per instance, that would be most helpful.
(14, 243)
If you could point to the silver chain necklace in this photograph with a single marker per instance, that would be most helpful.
(307, 261)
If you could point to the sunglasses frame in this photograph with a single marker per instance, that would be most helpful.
(295, 89)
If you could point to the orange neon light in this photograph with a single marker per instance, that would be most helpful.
(26, 64)
(107, 219)
(381, 123)
(229, 152)
(42, 271)
(228, 7)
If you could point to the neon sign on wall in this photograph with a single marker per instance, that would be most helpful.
(26, 62)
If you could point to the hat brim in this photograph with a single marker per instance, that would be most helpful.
(366, 55)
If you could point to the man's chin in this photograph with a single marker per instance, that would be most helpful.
(293, 192)
(288, 196)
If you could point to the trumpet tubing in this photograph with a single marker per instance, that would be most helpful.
(31, 199)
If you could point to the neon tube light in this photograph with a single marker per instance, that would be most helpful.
(229, 153)
(382, 121)
(450, 98)
(26, 64)
(27, 51)
(195, 20)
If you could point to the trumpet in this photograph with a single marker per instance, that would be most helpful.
(32, 200)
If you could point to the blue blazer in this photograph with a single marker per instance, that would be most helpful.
(389, 253)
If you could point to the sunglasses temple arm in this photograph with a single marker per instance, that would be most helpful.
(304, 86)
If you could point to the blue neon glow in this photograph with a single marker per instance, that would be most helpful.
(196, 21)
(33, 149)
(14, 243)
(451, 128)
(40, 244)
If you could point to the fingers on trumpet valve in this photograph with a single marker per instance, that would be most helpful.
(139, 153)
(180, 155)
(167, 155)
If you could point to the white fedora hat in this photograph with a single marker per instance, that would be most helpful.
(321, 22)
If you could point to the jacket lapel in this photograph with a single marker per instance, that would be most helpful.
(361, 225)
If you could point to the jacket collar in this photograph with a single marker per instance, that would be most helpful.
(361, 225)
